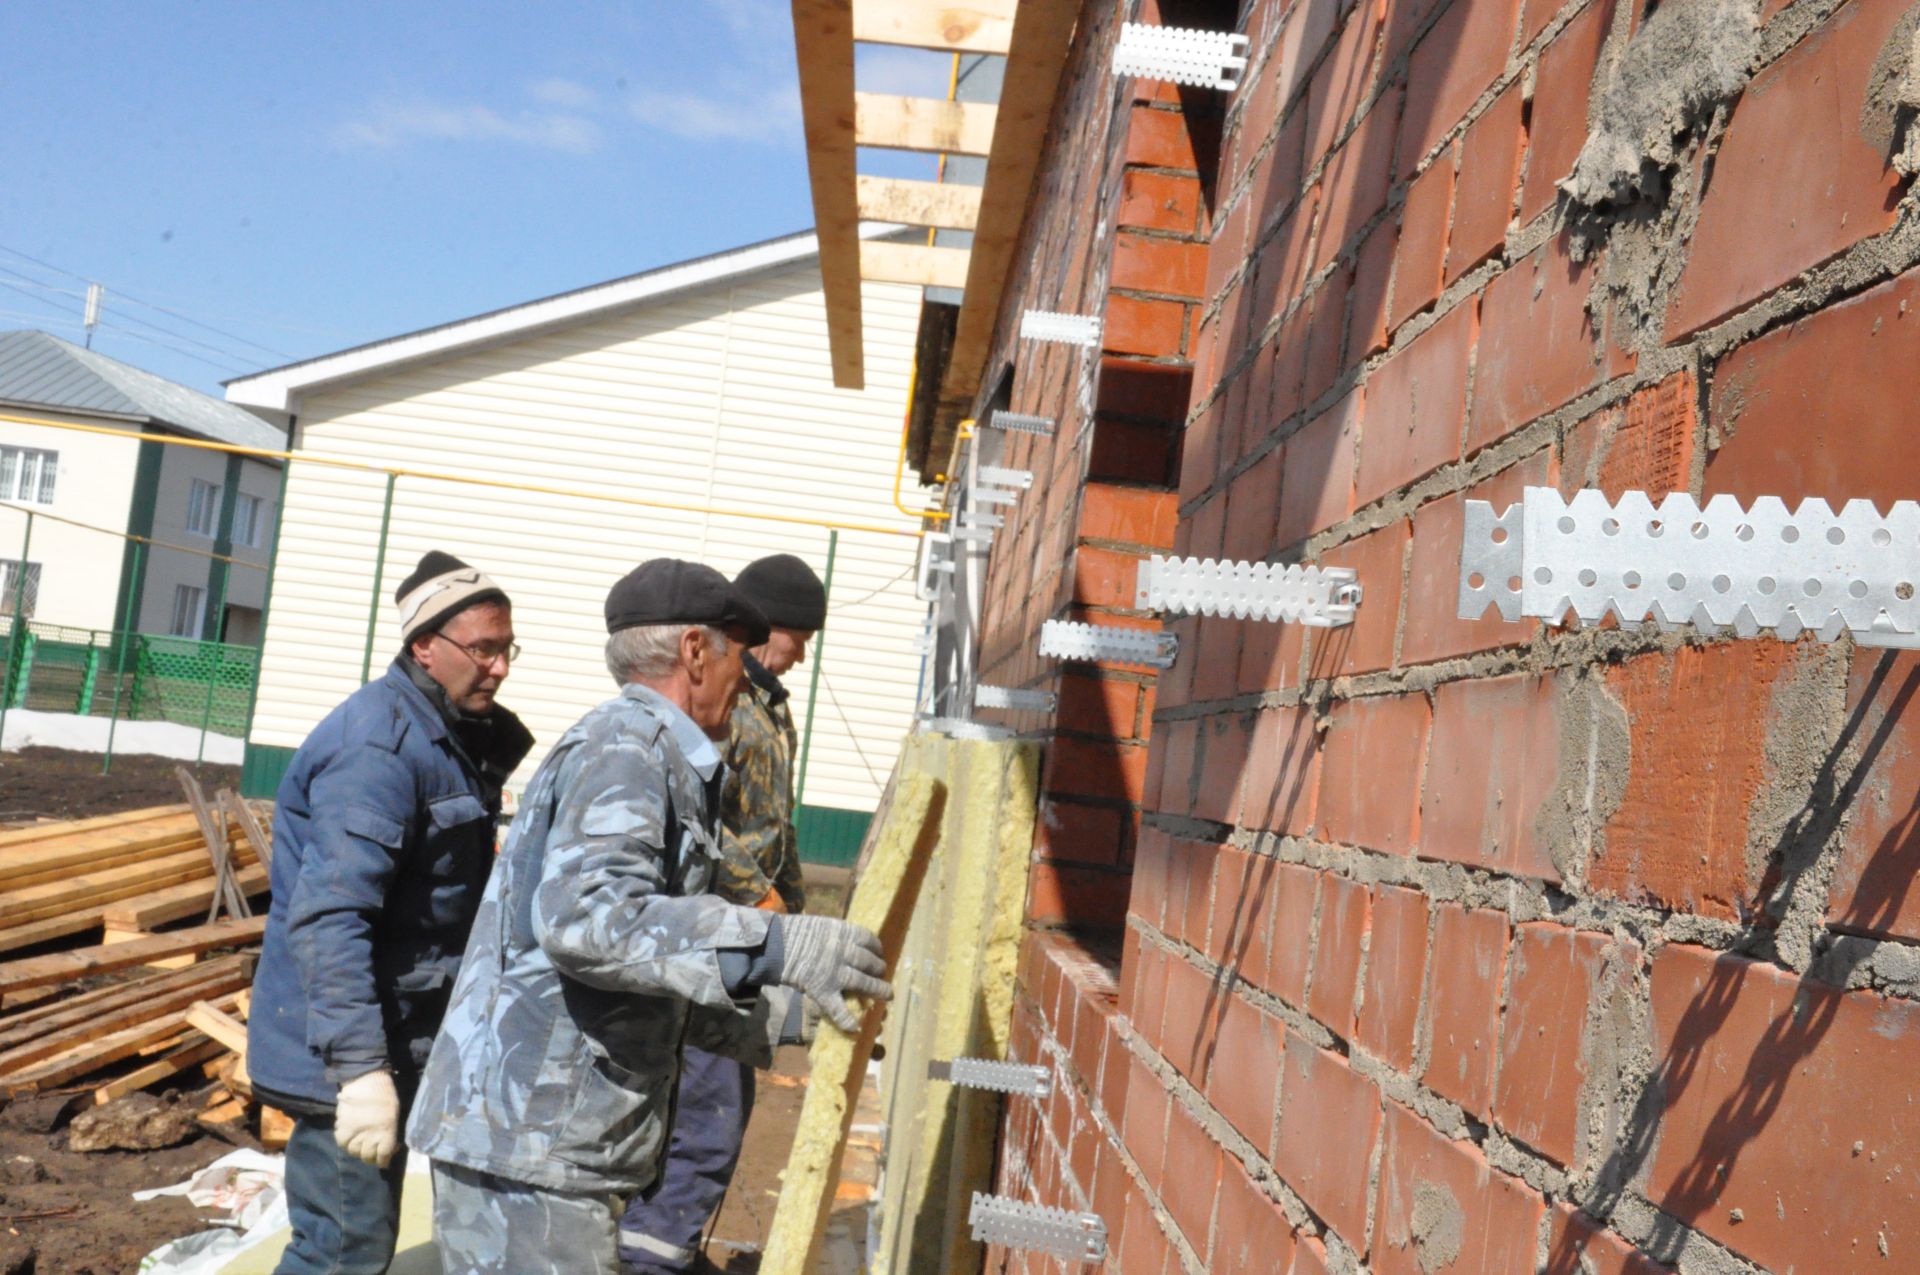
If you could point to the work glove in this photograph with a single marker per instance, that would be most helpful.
(366, 1120)
(828, 958)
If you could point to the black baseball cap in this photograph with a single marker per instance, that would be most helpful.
(674, 591)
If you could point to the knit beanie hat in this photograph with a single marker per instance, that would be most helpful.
(786, 591)
(440, 588)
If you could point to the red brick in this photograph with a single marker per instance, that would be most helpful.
(1556, 972)
(1241, 915)
(1492, 767)
(1396, 968)
(1189, 1032)
(1810, 409)
(1316, 480)
(1252, 1235)
(1558, 127)
(1483, 196)
(1215, 651)
(1329, 1119)
(1358, 177)
(1105, 577)
(1062, 894)
(1168, 267)
(1580, 1246)
(1130, 452)
(1293, 888)
(1190, 890)
(1090, 768)
(1099, 706)
(1276, 178)
(1158, 139)
(1172, 755)
(1372, 276)
(1143, 1247)
(1152, 328)
(1251, 501)
(1224, 741)
(1700, 722)
(1153, 391)
(1200, 447)
(1417, 406)
(1158, 201)
(1128, 515)
(1190, 1190)
(1536, 343)
(1880, 849)
(1306, 32)
(1270, 657)
(1080, 834)
(1149, 896)
(1789, 1102)
(1326, 334)
(1226, 257)
(1443, 1208)
(1647, 445)
(1463, 1004)
(1423, 242)
(1309, 1254)
(1800, 169)
(1282, 772)
(1244, 1082)
(1342, 82)
(1338, 947)
(1452, 65)
(1403, 21)
(1370, 774)
(1433, 629)
(1366, 645)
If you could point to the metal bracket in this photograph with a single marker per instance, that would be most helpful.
(1065, 329)
(936, 559)
(1181, 55)
(995, 496)
(1723, 569)
(961, 728)
(1107, 644)
(1029, 1080)
(1007, 697)
(1074, 1237)
(1021, 422)
(1011, 479)
(1319, 597)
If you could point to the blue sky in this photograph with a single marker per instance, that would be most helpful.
(303, 176)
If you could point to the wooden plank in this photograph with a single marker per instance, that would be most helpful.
(189, 1055)
(71, 827)
(215, 831)
(921, 124)
(243, 815)
(276, 1126)
(223, 1027)
(58, 927)
(95, 1007)
(82, 852)
(96, 889)
(914, 263)
(916, 203)
(92, 1055)
(26, 875)
(823, 44)
(38, 971)
(1035, 59)
(176, 903)
(985, 26)
(93, 1026)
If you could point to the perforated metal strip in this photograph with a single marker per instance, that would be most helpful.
(1722, 569)
(1029, 1080)
(1107, 644)
(1066, 329)
(1181, 55)
(961, 728)
(1012, 479)
(1321, 597)
(1007, 697)
(1075, 1237)
(1020, 422)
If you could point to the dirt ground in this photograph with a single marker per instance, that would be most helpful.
(56, 783)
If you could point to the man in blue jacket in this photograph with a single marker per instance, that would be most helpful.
(383, 838)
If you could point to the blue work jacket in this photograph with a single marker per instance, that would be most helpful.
(383, 838)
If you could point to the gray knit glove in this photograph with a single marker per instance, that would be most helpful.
(828, 958)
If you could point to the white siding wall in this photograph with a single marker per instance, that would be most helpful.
(80, 569)
(722, 398)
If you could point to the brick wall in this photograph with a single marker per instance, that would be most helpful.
(1442, 945)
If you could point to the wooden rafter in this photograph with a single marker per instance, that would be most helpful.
(985, 26)
(923, 124)
(823, 44)
(915, 203)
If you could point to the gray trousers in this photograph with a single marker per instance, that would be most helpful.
(487, 1225)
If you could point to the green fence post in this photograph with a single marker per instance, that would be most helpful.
(813, 683)
(29, 640)
(89, 677)
(379, 570)
(122, 639)
(17, 629)
(219, 662)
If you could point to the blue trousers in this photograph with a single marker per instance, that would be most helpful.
(660, 1231)
(345, 1212)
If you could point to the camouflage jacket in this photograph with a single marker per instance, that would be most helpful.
(595, 956)
(758, 849)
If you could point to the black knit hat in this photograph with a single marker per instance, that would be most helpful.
(786, 591)
(673, 591)
(440, 588)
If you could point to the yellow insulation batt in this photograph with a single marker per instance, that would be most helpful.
(883, 901)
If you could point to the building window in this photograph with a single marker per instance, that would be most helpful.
(26, 474)
(189, 608)
(11, 593)
(203, 508)
(247, 519)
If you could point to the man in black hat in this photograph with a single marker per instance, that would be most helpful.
(600, 951)
(382, 840)
(760, 867)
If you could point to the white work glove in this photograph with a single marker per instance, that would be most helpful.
(828, 958)
(366, 1121)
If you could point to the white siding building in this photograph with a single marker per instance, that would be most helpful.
(704, 385)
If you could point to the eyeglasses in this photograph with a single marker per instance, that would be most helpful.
(484, 653)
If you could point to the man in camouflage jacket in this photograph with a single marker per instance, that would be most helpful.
(759, 866)
(599, 951)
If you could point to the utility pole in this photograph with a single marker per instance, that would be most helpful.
(94, 295)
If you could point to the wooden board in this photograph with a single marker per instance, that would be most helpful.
(89, 1056)
(39, 971)
(183, 1058)
(984, 26)
(948, 205)
(93, 1027)
(922, 124)
(198, 982)
(59, 927)
(823, 45)
(177, 902)
(70, 827)
(38, 902)
(913, 263)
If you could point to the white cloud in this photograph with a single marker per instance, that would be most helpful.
(395, 123)
(766, 115)
(570, 94)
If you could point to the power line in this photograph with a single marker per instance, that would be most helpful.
(232, 362)
(236, 359)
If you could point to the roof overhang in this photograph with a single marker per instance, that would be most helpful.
(1034, 36)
